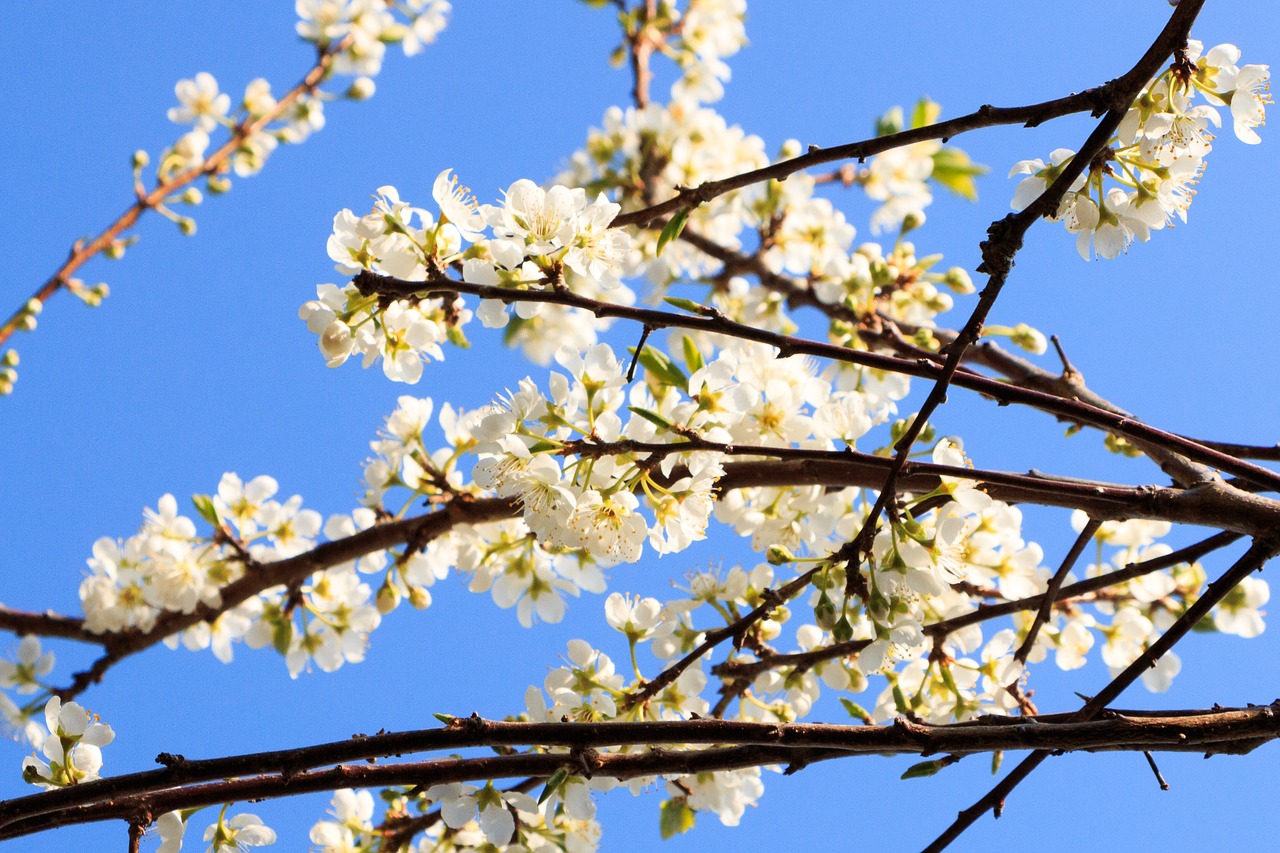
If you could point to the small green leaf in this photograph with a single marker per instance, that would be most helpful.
(925, 113)
(954, 170)
(512, 329)
(924, 768)
(692, 355)
(663, 368)
(282, 636)
(672, 229)
(997, 758)
(856, 711)
(685, 305)
(676, 818)
(204, 506)
(458, 338)
(554, 781)
(652, 417)
(447, 719)
(544, 446)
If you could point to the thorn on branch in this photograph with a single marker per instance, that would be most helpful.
(1151, 762)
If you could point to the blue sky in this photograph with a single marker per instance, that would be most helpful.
(197, 364)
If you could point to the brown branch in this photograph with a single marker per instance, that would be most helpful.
(48, 624)
(734, 631)
(1111, 97)
(214, 164)
(711, 321)
(293, 570)
(1055, 585)
(1252, 560)
(732, 744)
(1078, 590)
(1005, 239)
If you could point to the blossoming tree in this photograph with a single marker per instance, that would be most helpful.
(713, 366)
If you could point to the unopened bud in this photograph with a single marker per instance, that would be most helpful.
(10, 358)
(388, 599)
(192, 196)
(187, 225)
(217, 185)
(419, 597)
(1031, 340)
(361, 89)
(33, 307)
(778, 555)
(141, 160)
(957, 278)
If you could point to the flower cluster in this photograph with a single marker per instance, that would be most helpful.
(1145, 179)
(357, 30)
(708, 32)
(471, 819)
(364, 28)
(169, 567)
(72, 745)
(539, 238)
(225, 836)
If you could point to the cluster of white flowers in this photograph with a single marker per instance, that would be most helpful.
(1138, 611)
(1158, 153)
(472, 820)
(168, 566)
(363, 27)
(370, 25)
(539, 238)
(226, 836)
(72, 744)
(704, 35)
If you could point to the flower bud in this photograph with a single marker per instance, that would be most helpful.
(336, 342)
(187, 225)
(141, 159)
(777, 555)
(957, 278)
(388, 599)
(1031, 340)
(361, 89)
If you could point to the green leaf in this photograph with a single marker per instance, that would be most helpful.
(652, 417)
(282, 636)
(856, 711)
(447, 719)
(925, 113)
(661, 366)
(672, 229)
(997, 758)
(676, 818)
(204, 506)
(692, 355)
(954, 170)
(924, 768)
(554, 781)
(685, 305)
(890, 122)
